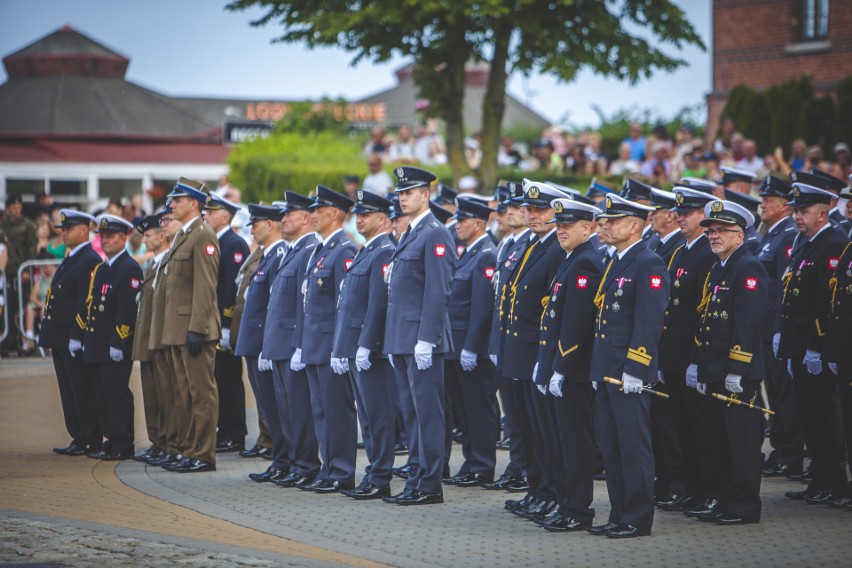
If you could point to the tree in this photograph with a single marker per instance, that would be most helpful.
(617, 38)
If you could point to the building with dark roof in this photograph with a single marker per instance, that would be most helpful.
(73, 126)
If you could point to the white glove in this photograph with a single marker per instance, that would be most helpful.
(555, 387)
(631, 384)
(339, 366)
(467, 360)
(225, 340)
(832, 367)
(390, 360)
(116, 355)
(813, 362)
(362, 359)
(776, 341)
(542, 389)
(732, 383)
(493, 359)
(423, 355)
(263, 365)
(595, 385)
(75, 345)
(692, 376)
(701, 388)
(535, 371)
(660, 377)
(296, 361)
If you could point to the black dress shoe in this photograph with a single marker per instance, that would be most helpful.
(504, 444)
(109, 455)
(499, 482)
(181, 461)
(600, 530)
(229, 445)
(566, 523)
(360, 445)
(626, 531)
(309, 486)
(599, 475)
(265, 453)
(533, 503)
(305, 482)
(519, 503)
(195, 466)
(458, 435)
(70, 449)
(400, 449)
(799, 475)
(705, 508)
(405, 471)
(420, 498)
(474, 480)
(271, 473)
(292, 479)
(329, 486)
(679, 503)
(779, 470)
(542, 511)
(164, 459)
(733, 519)
(151, 453)
(252, 452)
(819, 498)
(395, 498)
(840, 502)
(800, 495)
(369, 491)
(709, 516)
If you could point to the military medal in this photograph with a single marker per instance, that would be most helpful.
(724, 315)
(619, 292)
(553, 313)
(101, 308)
(676, 301)
(615, 307)
(677, 283)
(319, 282)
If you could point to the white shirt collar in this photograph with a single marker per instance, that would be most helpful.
(547, 236)
(222, 232)
(372, 239)
(331, 236)
(693, 241)
(778, 222)
(824, 227)
(668, 237)
(729, 256)
(522, 233)
(300, 239)
(158, 257)
(622, 253)
(267, 250)
(473, 244)
(413, 223)
(112, 260)
(77, 248)
(186, 227)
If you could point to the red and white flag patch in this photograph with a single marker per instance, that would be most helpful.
(789, 252)
(833, 261)
(238, 257)
(489, 272)
(210, 250)
(385, 270)
(440, 250)
(656, 282)
(582, 281)
(134, 283)
(460, 250)
(751, 283)
(347, 263)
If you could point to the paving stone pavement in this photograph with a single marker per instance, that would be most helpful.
(470, 529)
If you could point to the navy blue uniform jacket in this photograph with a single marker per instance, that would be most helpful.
(233, 252)
(472, 299)
(250, 338)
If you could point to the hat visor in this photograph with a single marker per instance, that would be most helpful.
(361, 210)
(612, 215)
(564, 221)
(69, 223)
(708, 222)
(410, 185)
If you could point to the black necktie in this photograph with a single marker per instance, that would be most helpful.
(506, 247)
(658, 246)
(405, 235)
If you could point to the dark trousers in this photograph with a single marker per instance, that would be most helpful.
(293, 396)
(151, 402)
(264, 392)
(845, 387)
(333, 404)
(524, 391)
(376, 402)
(174, 420)
(231, 424)
(818, 410)
(739, 452)
(517, 466)
(670, 430)
(704, 473)
(623, 424)
(405, 402)
(476, 397)
(574, 423)
(77, 391)
(115, 404)
(785, 429)
(424, 392)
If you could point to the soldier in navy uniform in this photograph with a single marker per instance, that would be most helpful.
(285, 311)
(563, 360)
(805, 305)
(509, 255)
(523, 305)
(233, 251)
(753, 237)
(106, 343)
(332, 398)
(62, 331)
(729, 359)
(266, 229)
(686, 476)
(631, 301)
(836, 349)
(640, 193)
(418, 333)
(468, 370)
(665, 224)
(359, 338)
(776, 248)
(835, 185)
(398, 218)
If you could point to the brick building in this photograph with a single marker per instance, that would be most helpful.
(760, 43)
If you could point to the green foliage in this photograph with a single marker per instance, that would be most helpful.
(790, 110)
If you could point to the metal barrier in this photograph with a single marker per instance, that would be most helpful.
(28, 265)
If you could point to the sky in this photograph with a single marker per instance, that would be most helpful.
(195, 48)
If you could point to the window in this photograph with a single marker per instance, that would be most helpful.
(815, 20)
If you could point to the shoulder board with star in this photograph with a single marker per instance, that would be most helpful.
(434, 224)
